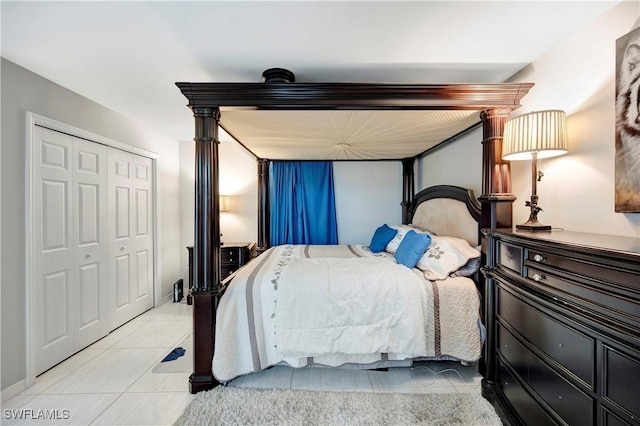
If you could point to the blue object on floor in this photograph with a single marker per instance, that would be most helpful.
(174, 354)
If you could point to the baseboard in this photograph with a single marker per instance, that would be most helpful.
(13, 390)
(167, 298)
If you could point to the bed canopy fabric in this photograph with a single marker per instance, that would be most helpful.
(344, 134)
(491, 103)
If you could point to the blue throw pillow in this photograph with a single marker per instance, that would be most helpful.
(381, 238)
(412, 248)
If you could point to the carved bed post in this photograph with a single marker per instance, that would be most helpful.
(496, 199)
(497, 204)
(206, 247)
(408, 189)
(264, 216)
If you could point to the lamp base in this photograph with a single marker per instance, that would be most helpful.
(530, 226)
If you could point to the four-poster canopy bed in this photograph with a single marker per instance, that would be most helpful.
(211, 102)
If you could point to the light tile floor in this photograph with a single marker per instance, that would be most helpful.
(112, 382)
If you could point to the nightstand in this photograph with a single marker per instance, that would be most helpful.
(235, 255)
(232, 256)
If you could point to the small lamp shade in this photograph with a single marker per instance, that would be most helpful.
(224, 203)
(541, 132)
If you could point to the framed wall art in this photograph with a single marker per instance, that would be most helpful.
(627, 142)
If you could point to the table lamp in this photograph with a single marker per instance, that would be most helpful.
(536, 135)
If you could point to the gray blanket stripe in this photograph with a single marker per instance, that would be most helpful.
(255, 355)
(306, 252)
(353, 250)
(436, 319)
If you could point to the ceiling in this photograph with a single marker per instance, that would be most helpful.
(128, 55)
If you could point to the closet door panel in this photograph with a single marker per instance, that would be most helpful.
(122, 281)
(120, 236)
(142, 186)
(53, 269)
(90, 207)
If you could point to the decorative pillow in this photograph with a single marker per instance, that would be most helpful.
(381, 238)
(395, 242)
(444, 256)
(412, 248)
(468, 269)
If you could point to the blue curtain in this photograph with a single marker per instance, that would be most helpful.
(303, 208)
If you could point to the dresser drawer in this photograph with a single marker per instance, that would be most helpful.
(565, 345)
(230, 255)
(510, 256)
(586, 268)
(227, 270)
(523, 403)
(610, 419)
(622, 380)
(621, 307)
(563, 397)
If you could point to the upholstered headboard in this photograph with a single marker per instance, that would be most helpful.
(448, 210)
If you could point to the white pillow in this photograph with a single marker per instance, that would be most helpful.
(393, 245)
(445, 255)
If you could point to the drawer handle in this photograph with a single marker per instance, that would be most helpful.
(538, 277)
(539, 258)
(559, 396)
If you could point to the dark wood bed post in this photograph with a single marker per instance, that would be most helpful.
(408, 188)
(264, 226)
(497, 204)
(496, 199)
(206, 247)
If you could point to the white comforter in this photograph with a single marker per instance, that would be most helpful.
(348, 306)
(333, 305)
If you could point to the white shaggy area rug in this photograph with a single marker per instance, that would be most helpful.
(248, 406)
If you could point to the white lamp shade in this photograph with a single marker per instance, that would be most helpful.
(224, 203)
(541, 132)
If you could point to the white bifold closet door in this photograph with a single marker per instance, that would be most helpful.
(70, 228)
(92, 240)
(130, 237)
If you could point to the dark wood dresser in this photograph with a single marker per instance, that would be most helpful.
(563, 327)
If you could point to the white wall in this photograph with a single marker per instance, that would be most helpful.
(187, 194)
(368, 194)
(24, 91)
(578, 76)
(457, 163)
(238, 180)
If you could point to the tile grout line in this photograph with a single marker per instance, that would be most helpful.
(106, 408)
